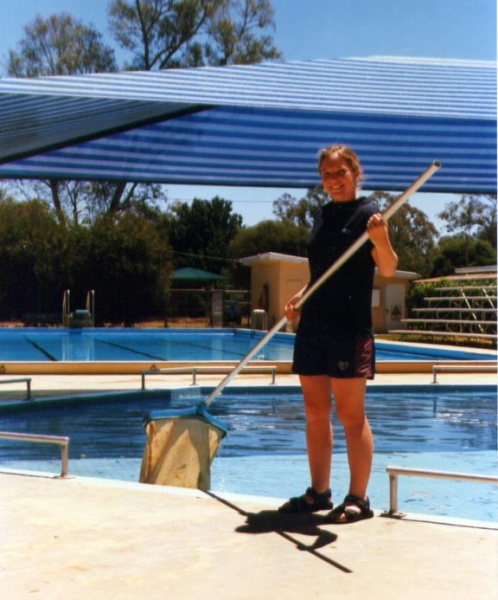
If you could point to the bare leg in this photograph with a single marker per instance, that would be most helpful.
(319, 439)
(349, 396)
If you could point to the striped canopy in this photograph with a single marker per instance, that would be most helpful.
(257, 125)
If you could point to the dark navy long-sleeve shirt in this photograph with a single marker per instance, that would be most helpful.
(343, 303)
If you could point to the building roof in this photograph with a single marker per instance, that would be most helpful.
(193, 274)
(273, 257)
(279, 257)
(257, 125)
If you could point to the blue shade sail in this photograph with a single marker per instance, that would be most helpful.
(257, 125)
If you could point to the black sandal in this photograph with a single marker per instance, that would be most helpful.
(353, 509)
(300, 504)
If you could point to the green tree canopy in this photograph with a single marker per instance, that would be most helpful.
(201, 232)
(32, 258)
(461, 251)
(302, 211)
(270, 236)
(473, 216)
(413, 236)
(178, 33)
(127, 262)
(60, 45)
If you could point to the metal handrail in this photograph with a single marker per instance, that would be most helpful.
(491, 368)
(394, 472)
(90, 303)
(205, 369)
(66, 308)
(26, 380)
(62, 441)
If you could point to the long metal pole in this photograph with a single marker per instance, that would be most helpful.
(330, 271)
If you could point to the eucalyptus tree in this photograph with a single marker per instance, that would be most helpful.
(473, 216)
(127, 262)
(162, 34)
(461, 251)
(300, 211)
(32, 258)
(412, 234)
(200, 233)
(270, 236)
(60, 45)
(63, 45)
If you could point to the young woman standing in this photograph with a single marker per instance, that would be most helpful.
(334, 349)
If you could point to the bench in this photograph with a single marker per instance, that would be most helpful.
(450, 321)
(461, 288)
(454, 309)
(490, 336)
(457, 298)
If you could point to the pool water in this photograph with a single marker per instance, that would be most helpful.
(97, 345)
(264, 453)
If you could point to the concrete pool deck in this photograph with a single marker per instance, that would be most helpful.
(82, 537)
(46, 384)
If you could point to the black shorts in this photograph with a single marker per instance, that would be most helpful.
(335, 355)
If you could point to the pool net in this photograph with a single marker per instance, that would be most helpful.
(179, 452)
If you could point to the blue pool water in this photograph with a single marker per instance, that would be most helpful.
(448, 428)
(39, 344)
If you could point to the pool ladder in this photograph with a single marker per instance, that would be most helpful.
(259, 320)
(78, 318)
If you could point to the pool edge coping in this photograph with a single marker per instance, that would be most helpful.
(118, 484)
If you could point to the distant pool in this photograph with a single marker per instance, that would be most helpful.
(451, 428)
(138, 345)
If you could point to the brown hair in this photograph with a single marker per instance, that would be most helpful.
(345, 153)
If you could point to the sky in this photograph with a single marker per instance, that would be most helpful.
(315, 29)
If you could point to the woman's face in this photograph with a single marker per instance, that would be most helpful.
(338, 179)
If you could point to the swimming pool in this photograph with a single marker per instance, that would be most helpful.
(449, 428)
(165, 345)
